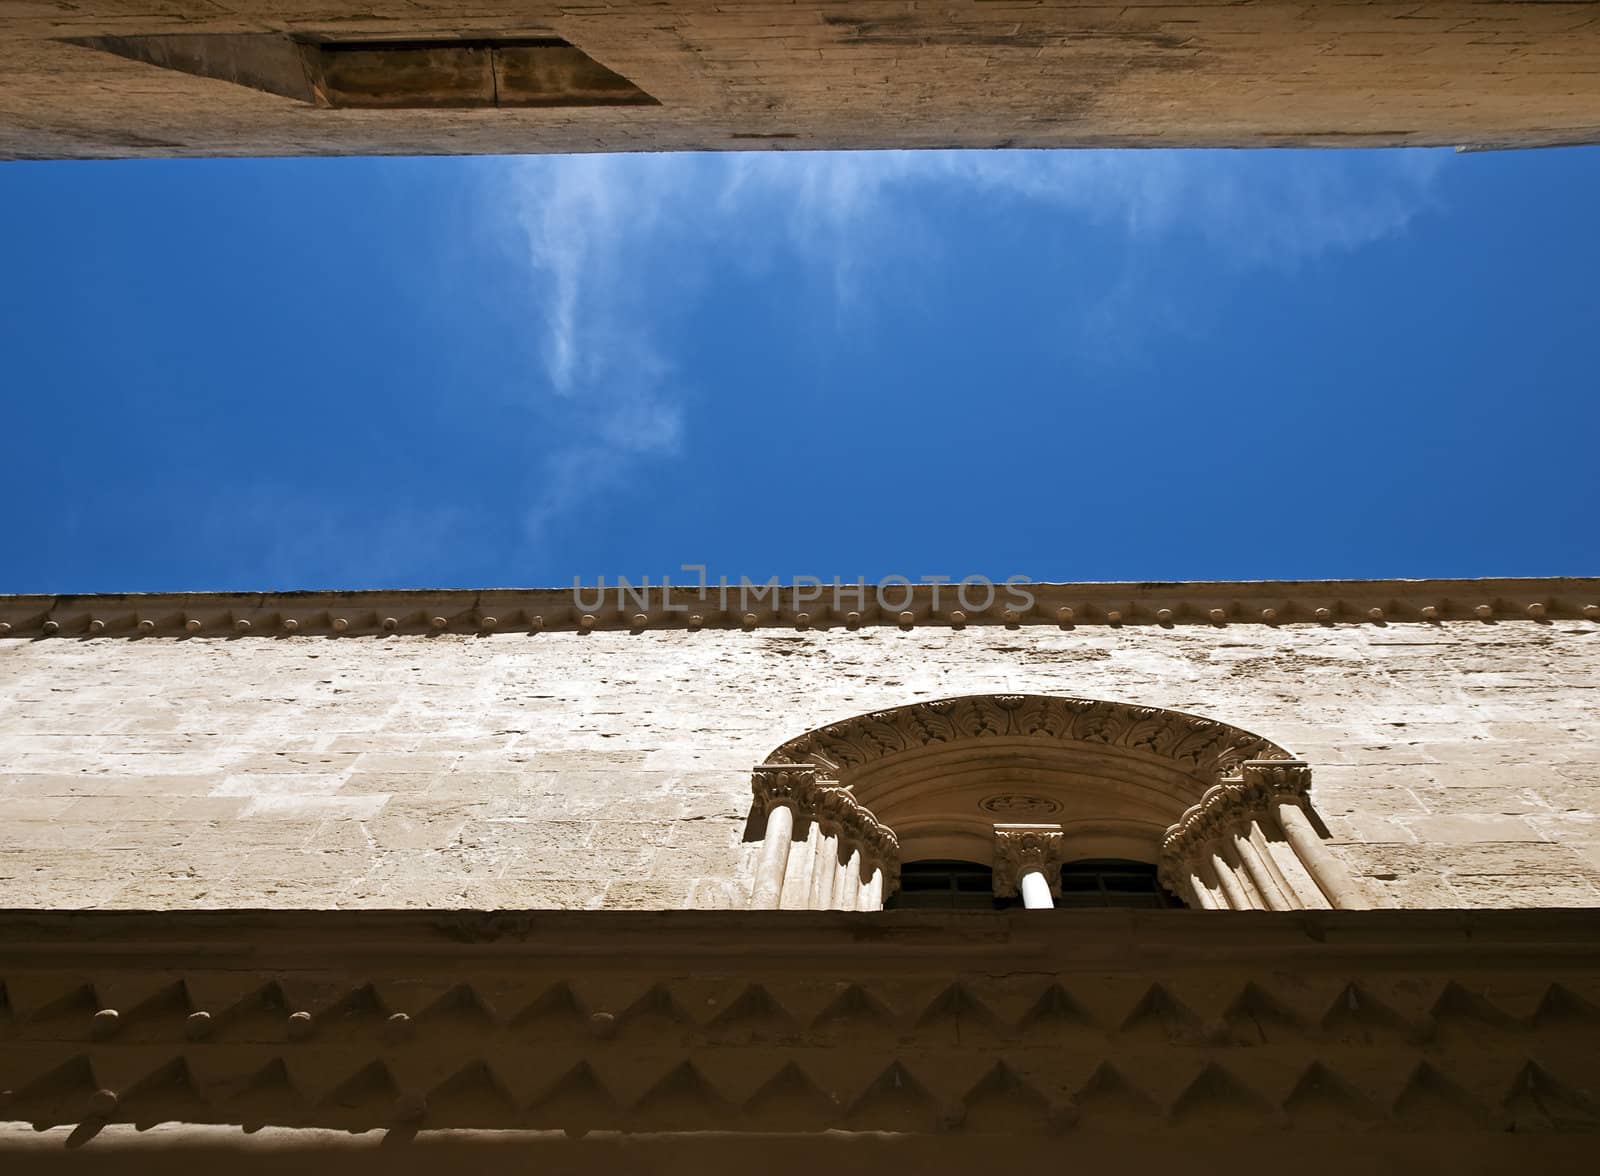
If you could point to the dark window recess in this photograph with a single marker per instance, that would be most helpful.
(464, 73)
(1112, 883)
(945, 886)
(389, 75)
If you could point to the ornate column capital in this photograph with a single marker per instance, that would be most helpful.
(1020, 848)
(1237, 801)
(1277, 780)
(792, 785)
(1221, 823)
(834, 808)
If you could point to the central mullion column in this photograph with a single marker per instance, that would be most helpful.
(1027, 860)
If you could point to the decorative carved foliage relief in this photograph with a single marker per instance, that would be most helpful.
(1207, 749)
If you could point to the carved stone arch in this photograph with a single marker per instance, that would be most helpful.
(944, 779)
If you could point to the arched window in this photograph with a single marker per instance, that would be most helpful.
(969, 886)
(1113, 882)
(947, 886)
(1221, 818)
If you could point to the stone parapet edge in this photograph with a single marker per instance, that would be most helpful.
(1213, 604)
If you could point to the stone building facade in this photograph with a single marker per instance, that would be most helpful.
(103, 78)
(1454, 759)
(462, 869)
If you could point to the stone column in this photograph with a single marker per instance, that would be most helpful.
(1255, 831)
(1297, 883)
(871, 897)
(1036, 891)
(1286, 786)
(1237, 897)
(774, 858)
(780, 789)
(825, 871)
(1027, 858)
(1265, 879)
(1206, 887)
(847, 893)
(1326, 870)
(1229, 853)
(797, 878)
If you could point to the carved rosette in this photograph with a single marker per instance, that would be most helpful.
(1021, 848)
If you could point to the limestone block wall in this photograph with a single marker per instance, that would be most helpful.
(1457, 763)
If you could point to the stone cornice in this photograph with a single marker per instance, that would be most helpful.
(630, 944)
(424, 612)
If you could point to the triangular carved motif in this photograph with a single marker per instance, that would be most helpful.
(1461, 1013)
(1357, 1016)
(1562, 1007)
(1321, 1098)
(1537, 1101)
(60, 1095)
(755, 1016)
(854, 1013)
(576, 1102)
(460, 1010)
(1160, 1015)
(68, 1016)
(681, 1101)
(1256, 1017)
(260, 1016)
(1108, 1097)
(791, 1101)
(958, 1018)
(894, 1101)
(168, 1093)
(1056, 1015)
(1004, 1102)
(1216, 1098)
(656, 1018)
(365, 1099)
(556, 1016)
(359, 1014)
(474, 1096)
(160, 1016)
(268, 1097)
(1432, 1101)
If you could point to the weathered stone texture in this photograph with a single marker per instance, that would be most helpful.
(868, 73)
(1455, 764)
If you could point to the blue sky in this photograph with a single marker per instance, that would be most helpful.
(268, 374)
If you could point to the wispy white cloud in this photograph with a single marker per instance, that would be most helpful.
(618, 245)
(277, 535)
